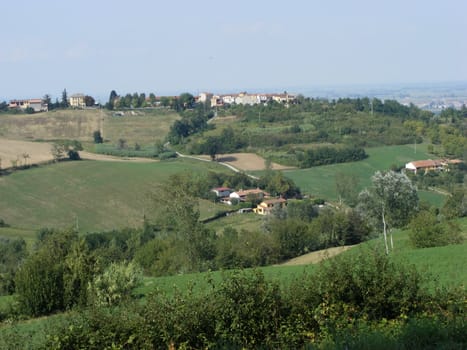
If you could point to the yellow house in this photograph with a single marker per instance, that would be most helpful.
(265, 207)
(77, 101)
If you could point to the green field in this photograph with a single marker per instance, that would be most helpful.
(145, 127)
(320, 181)
(91, 194)
(443, 265)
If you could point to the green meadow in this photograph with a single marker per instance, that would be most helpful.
(91, 195)
(320, 181)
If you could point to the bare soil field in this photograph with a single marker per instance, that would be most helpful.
(23, 152)
(246, 161)
(316, 257)
(27, 153)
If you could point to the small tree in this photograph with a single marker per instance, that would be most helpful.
(70, 148)
(89, 101)
(389, 202)
(115, 284)
(427, 231)
(121, 143)
(97, 137)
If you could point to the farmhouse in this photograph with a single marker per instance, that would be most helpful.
(243, 194)
(265, 207)
(77, 101)
(221, 191)
(431, 165)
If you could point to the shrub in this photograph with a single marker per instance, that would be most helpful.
(115, 284)
(369, 283)
(426, 231)
(248, 310)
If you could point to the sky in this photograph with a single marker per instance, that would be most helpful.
(170, 47)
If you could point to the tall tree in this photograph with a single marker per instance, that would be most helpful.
(112, 97)
(347, 188)
(389, 202)
(64, 103)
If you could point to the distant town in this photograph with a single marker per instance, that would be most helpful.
(435, 101)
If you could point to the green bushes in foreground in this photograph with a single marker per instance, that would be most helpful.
(355, 301)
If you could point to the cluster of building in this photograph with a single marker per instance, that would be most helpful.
(37, 104)
(431, 165)
(244, 98)
(266, 205)
(41, 105)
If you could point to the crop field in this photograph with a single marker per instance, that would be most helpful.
(56, 124)
(320, 181)
(92, 195)
(143, 127)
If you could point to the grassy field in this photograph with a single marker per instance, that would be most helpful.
(247, 221)
(142, 126)
(320, 181)
(91, 194)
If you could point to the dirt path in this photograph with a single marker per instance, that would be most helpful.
(316, 257)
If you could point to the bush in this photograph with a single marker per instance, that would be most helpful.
(248, 310)
(369, 283)
(167, 155)
(115, 284)
(426, 231)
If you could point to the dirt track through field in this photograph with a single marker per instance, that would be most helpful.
(246, 161)
(316, 257)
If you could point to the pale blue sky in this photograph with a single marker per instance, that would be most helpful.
(168, 47)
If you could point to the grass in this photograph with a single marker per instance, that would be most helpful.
(247, 221)
(90, 194)
(143, 126)
(29, 236)
(320, 181)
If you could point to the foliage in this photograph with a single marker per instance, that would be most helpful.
(68, 147)
(370, 284)
(456, 204)
(115, 284)
(97, 137)
(277, 184)
(330, 155)
(347, 188)
(427, 231)
(390, 202)
(363, 299)
(64, 102)
(12, 254)
(55, 276)
(89, 101)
